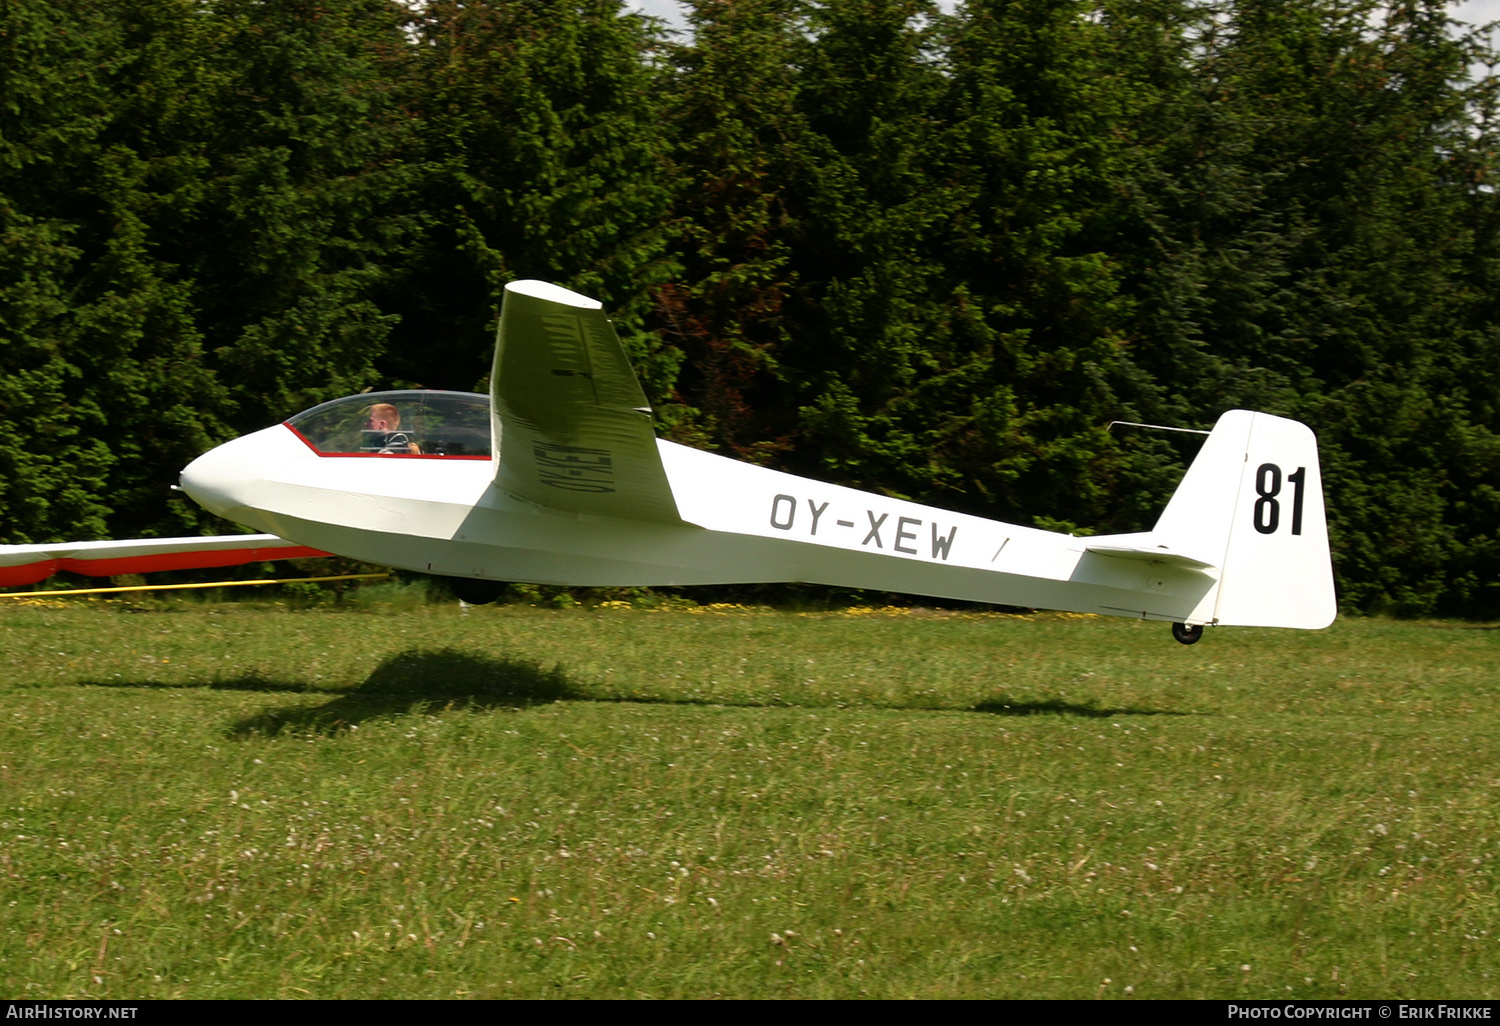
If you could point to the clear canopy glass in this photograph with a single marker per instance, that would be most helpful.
(407, 423)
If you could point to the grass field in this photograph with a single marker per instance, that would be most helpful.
(204, 800)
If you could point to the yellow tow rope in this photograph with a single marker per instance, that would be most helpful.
(173, 587)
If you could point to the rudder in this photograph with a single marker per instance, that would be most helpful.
(1252, 504)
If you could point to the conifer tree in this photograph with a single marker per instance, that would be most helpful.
(103, 374)
(541, 155)
(739, 143)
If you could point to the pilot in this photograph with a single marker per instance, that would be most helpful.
(383, 434)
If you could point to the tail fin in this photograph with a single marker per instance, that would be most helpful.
(1252, 505)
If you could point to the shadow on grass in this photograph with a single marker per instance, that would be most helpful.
(243, 682)
(1057, 707)
(417, 681)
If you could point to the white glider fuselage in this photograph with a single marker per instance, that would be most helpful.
(557, 477)
(740, 524)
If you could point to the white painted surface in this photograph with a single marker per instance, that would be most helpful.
(584, 494)
(21, 555)
(746, 524)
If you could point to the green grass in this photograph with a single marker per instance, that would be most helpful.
(420, 801)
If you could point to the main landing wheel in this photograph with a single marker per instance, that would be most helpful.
(1188, 634)
(474, 591)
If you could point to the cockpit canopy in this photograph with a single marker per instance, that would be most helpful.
(414, 423)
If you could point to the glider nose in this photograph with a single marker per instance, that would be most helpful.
(211, 480)
(241, 480)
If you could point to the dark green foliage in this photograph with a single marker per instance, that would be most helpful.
(926, 254)
(102, 361)
(1332, 268)
(188, 190)
(741, 145)
(540, 156)
(299, 182)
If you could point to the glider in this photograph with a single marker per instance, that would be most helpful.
(557, 477)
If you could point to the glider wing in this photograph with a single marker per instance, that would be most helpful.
(572, 427)
(28, 564)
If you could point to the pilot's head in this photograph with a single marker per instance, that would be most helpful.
(383, 417)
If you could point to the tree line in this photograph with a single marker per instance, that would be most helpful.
(925, 254)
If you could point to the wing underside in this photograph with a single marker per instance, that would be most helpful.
(30, 564)
(572, 427)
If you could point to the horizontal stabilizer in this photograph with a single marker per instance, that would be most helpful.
(1151, 554)
(29, 564)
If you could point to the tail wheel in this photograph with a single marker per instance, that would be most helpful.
(1187, 633)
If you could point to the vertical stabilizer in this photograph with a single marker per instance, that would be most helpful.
(1252, 504)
